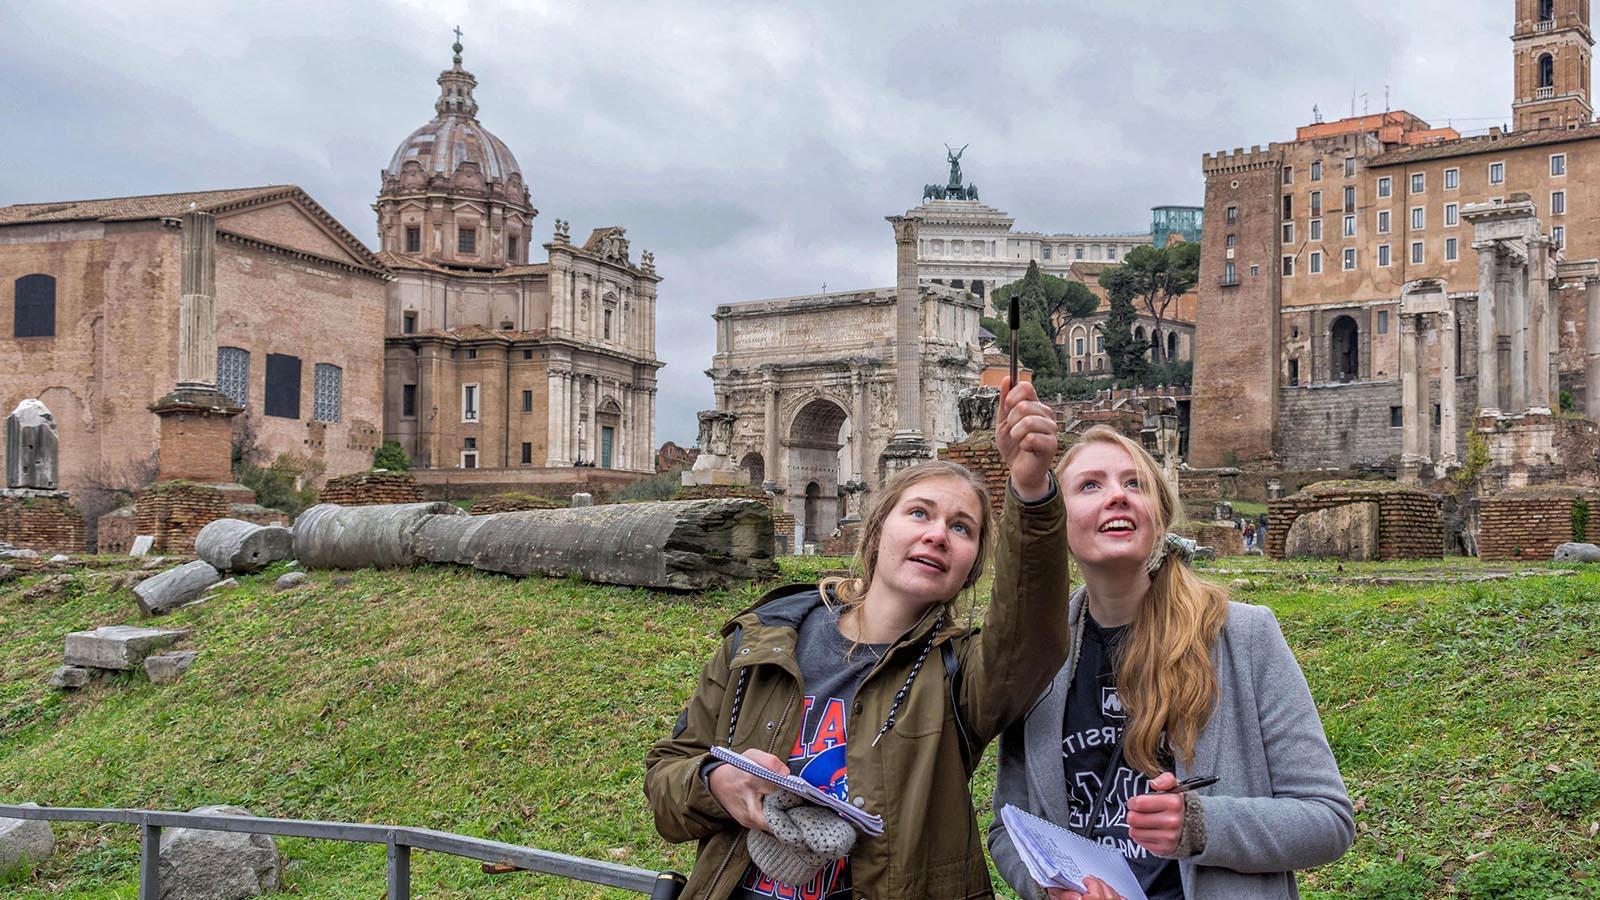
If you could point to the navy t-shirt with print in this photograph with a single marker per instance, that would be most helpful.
(831, 673)
(1090, 734)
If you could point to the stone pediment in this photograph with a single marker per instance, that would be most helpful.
(296, 223)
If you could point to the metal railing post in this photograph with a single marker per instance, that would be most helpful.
(149, 862)
(399, 871)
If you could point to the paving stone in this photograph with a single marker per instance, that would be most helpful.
(117, 646)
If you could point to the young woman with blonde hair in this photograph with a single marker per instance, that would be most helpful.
(874, 689)
(1168, 680)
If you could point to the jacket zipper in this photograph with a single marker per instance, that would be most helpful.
(722, 867)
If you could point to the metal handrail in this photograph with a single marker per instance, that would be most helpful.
(399, 839)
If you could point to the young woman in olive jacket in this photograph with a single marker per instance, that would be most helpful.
(930, 694)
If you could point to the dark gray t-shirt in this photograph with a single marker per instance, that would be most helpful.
(831, 673)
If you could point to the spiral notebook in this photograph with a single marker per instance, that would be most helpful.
(1057, 858)
(863, 821)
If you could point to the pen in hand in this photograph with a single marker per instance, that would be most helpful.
(1192, 784)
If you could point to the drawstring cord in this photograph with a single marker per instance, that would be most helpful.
(905, 688)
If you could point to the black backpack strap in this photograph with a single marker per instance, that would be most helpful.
(952, 675)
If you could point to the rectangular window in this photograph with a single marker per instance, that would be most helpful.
(35, 306)
(1349, 166)
(527, 401)
(1230, 273)
(1316, 170)
(1294, 373)
(1349, 198)
(470, 443)
(1233, 240)
(408, 323)
(413, 239)
(467, 241)
(608, 325)
(283, 386)
(1233, 215)
(1385, 186)
(1316, 203)
(1288, 174)
(1419, 182)
(511, 249)
(1316, 229)
(1395, 419)
(1099, 343)
(1077, 252)
(1288, 266)
(408, 400)
(1452, 214)
(470, 353)
(1452, 250)
(1316, 262)
(233, 374)
(1383, 321)
(527, 354)
(1111, 251)
(1497, 173)
(1452, 179)
(1419, 218)
(1416, 253)
(527, 453)
(469, 459)
(1383, 255)
(1558, 203)
(1288, 208)
(1349, 226)
(1558, 164)
(1558, 234)
(1046, 251)
(327, 392)
(1288, 232)
(1383, 221)
(1077, 346)
(1349, 259)
(469, 403)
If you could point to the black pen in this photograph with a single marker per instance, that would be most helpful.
(1014, 323)
(1193, 784)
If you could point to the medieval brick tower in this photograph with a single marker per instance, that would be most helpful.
(1552, 45)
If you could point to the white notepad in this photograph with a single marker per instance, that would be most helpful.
(1057, 858)
(864, 822)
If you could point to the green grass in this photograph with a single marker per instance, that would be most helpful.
(1465, 718)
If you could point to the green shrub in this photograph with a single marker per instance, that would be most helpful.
(664, 486)
(1580, 521)
(289, 484)
(1574, 792)
(390, 455)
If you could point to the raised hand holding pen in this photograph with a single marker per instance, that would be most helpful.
(1025, 434)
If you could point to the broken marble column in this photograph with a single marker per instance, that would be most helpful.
(31, 447)
(116, 646)
(680, 545)
(330, 536)
(713, 466)
(234, 545)
(175, 587)
(1448, 452)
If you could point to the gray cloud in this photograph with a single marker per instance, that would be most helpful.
(755, 148)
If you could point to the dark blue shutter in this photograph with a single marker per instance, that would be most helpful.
(283, 385)
(35, 310)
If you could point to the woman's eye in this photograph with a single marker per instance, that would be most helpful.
(961, 527)
(1133, 483)
(918, 512)
(1088, 484)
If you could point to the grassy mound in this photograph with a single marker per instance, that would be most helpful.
(1464, 718)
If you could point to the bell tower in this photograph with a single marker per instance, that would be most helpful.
(1552, 46)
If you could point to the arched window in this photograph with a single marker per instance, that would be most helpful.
(1547, 71)
(1344, 338)
(1547, 10)
(1172, 346)
(35, 309)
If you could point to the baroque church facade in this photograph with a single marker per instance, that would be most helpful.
(521, 370)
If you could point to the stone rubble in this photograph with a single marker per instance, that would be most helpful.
(25, 841)
(175, 587)
(217, 865)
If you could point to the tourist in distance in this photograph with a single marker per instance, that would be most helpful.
(1168, 680)
(877, 689)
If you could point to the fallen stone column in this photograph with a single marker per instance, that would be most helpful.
(175, 587)
(329, 536)
(234, 545)
(684, 545)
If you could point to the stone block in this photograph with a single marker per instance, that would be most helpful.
(175, 587)
(117, 646)
(25, 841)
(1574, 552)
(7, 572)
(217, 865)
(70, 678)
(1348, 531)
(142, 545)
(234, 545)
(31, 446)
(60, 558)
(165, 668)
(289, 580)
(582, 498)
(23, 553)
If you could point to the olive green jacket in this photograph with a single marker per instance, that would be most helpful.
(916, 776)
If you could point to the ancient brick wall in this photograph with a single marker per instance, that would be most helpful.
(1530, 523)
(45, 524)
(1224, 540)
(174, 512)
(1348, 425)
(499, 503)
(114, 531)
(371, 489)
(1410, 521)
(980, 455)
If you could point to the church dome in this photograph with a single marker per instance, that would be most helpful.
(455, 136)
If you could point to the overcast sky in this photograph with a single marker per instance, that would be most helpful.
(754, 147)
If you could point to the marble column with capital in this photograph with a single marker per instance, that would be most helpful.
(1449, 456)
(769, 390)
(1539, 321)
(1488, 333)
(1411, 432)
(1517, 319)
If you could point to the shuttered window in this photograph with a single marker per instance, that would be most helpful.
(283, 386)
(233, 374)
(325, 405)
(35, 309)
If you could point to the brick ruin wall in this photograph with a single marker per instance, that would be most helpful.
(114, 531)
(1517, 526)
(1225, 540)
(174, 512)
(502, 503)
(371, 489)
(981, 457)
(45, 524)
(1410, 523)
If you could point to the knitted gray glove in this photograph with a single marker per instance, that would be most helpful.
(803, 838)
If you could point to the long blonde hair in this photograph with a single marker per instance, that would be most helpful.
(851, 590)
(1165, 678)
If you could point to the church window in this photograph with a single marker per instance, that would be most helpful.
(467, 241)
(35, 306)
(327, 384)
(1419, 182)
(608, 325)
(413, 239)
(1497, 173)
(1383, 321)
(1077, 252)
(527, 401)
(469, 403)
(1077, 346)
(1558, 164)
(1316, 170)
(233, 374)
(408, 323)
(408, 400)
(1558, 203)
(1452, 249)
(1111, 251)
(1547, 71)
(283, 386)
(527, 354)
(1080, 365)
(527, 453)
(1452, 179)
(1385, 186)
(1547, 10)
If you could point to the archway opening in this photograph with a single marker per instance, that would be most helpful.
(1344, 338)
(1547, 71)
(816, 444)
(756, 466)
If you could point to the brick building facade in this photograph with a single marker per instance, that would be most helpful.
(1310, 244)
